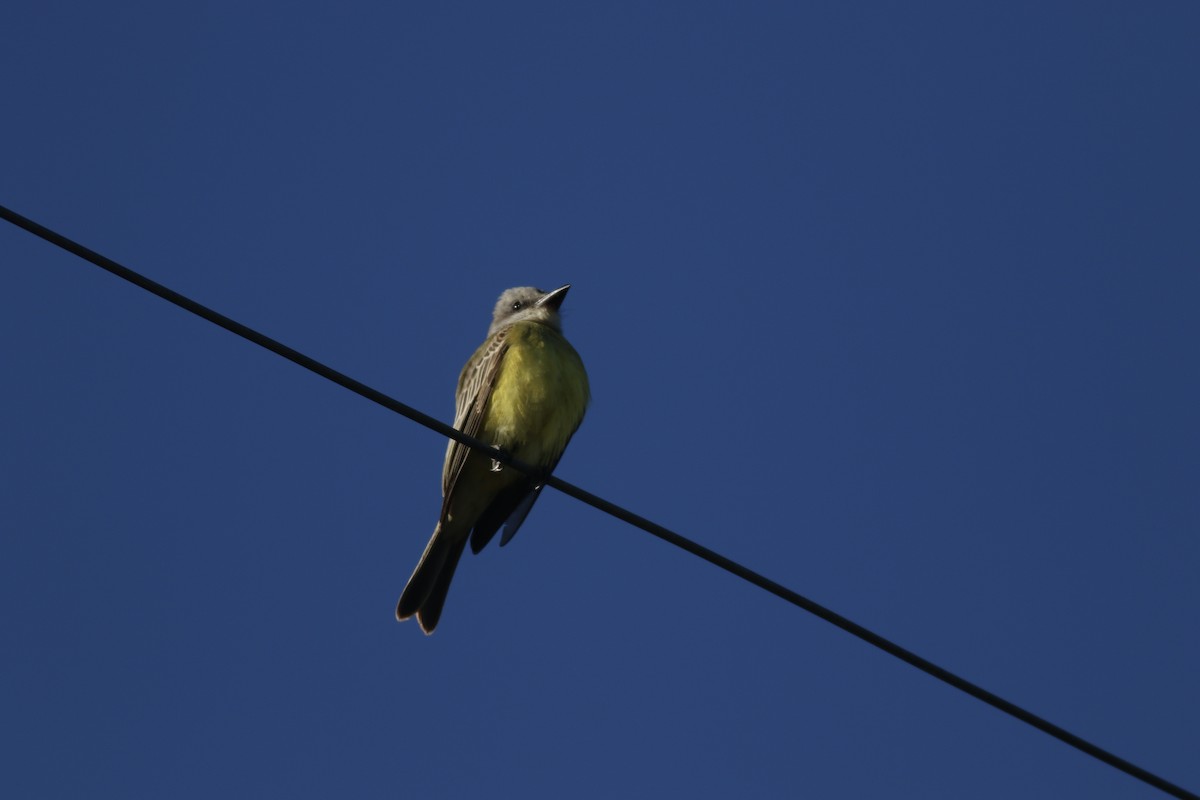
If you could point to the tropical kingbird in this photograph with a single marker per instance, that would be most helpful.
(524, 391)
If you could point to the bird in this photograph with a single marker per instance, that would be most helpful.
(525, 391)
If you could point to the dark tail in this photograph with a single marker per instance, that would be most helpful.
(425, 593)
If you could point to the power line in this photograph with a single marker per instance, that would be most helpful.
(653, 528)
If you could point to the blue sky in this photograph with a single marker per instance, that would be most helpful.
(895, 305)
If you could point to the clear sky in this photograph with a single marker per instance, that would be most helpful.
(895, 303)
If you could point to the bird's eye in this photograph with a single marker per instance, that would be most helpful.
(517, 306)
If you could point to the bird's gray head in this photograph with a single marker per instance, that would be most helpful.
(527, 304)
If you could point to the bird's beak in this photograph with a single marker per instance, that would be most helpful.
(553, 300)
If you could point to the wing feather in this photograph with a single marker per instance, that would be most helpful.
(470, 404)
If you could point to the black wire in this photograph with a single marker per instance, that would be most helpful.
(710, 556)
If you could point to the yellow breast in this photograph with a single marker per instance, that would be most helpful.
(539, 395)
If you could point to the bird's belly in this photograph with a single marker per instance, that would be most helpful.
(537, 401)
